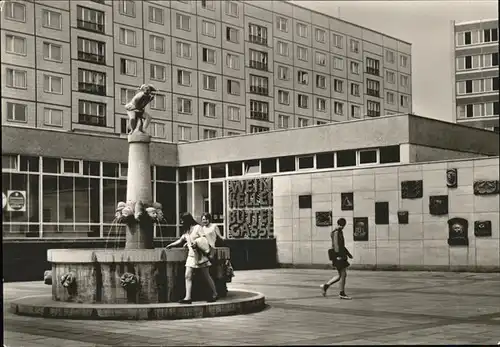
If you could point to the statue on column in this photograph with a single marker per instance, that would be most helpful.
(138, 118)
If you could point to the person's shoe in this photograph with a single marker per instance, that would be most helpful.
(184, 301)
(344, 296)
(212, 299)
(324, 288)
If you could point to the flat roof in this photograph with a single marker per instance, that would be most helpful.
(476, 21)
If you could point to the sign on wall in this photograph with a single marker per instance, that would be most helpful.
(16, 200)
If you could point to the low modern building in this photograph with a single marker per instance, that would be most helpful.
(476, 85)
(222, 68)
(264, 190)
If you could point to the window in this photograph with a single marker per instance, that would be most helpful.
(283, 121)
(258, 60)
(208, 55)
(403, 60)
(282, 24)
(389, 154)
(390, 98)
(338, 108)
(207, 4)
(16, 112)
(467, 38)
(283, 97)
(373, 109)
(52, 52)
(232, 35)
(127, 8)
(156, 15)
(52, 84)
(157, 130)
(90, 19)
(209, 109)
(355, 89)
(209, 133)
(368, 156)
(302, 77)
(15, 44)
(184, 105)
(259, 110)
(355, 111)
(16, 78)
(126, 95)
(233, 61)
(320, 81)
(490, 35)
(403, 101)
(373, 88)
(354, 68)
(287, 164)
(156, 44)
(302, 53)
(338, 41)
(184, 77)
(184, 133)
(325, 160)
(258, 34)
(128, 67)
(354, 46)
(233, 87)
(301, 30)
(257, 129)
(373, 66)
(91, 51)
(320, 35)
(302, 122)
(183, 22)
(15, 11)
(268, 165)
(460, 39)
(51, 19)
(233, 113)
(157, 72)
(346, 158)
(390, 76)
(338, 63)
(208, 28)
(319, 122)
(91, 113)
(283, 49)
(127, 37)
(302, 100)
(306, 162)
(488, 84)
(159, 102)
(338, 85)
(320, 59)
(93, 82)
(321, 105)
(389, 56)
(232, 8)
(209, 82)
(52, 116)
(404, 81)
(283, 73)
(183, 50)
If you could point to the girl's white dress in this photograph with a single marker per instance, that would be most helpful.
(195, 259)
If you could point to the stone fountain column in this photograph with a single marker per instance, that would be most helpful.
(139, 233)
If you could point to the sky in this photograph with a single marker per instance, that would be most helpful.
(424, 24)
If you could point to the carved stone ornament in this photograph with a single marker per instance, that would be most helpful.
(347, 201)
(438, 205)
(486, 187)
(451, 178)
(403, 217)
(412, 189)
(324, 219)
(482, 228)
(458, 231)
(360, 228)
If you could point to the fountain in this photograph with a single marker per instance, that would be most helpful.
(139, 281)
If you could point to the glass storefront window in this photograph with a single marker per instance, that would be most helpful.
(184, 198)
(29, 164)
(235, 168)
(218, 170)
(51, 165)
(9, 162)
(268, 165)
(165, 173)
(113, 191)
(92, 168)
(110, 169)
(201, 173)
(166, 195)
(185, 174)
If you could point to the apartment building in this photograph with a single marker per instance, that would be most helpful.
(221, 68)
(476, 73)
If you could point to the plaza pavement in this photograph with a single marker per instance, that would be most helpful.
(387, 308)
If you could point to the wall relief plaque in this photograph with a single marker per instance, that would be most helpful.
(458, 232)
(482, 228)
(403, 217)
(254, 193)
(438, 205)
(360, 228)
(486, 187)
(412, 189)
(347, 201)
(451, 178)
(324, 219)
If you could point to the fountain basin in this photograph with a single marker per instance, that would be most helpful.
(97, 275)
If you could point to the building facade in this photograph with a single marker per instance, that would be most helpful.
(476, 73)
(222, 68)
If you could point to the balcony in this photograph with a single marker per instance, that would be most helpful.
(373, 71)
(91, 26)
(259, 90)
(259, 115)
(373, 113)
(373, 92)
(92, 88)
(92, 58)
(89, 119)
(258, 39)
(258, 65)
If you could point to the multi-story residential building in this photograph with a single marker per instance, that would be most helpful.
(476, 73)
(221, 68)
